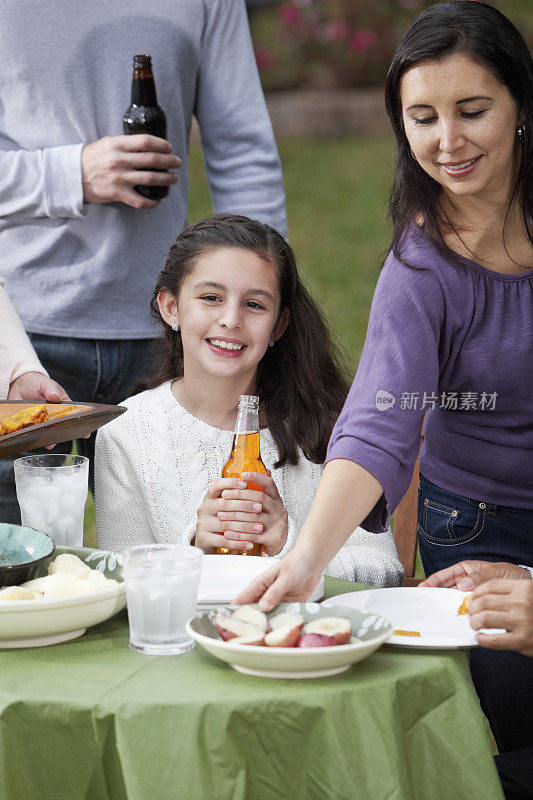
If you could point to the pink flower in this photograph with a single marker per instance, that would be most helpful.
(264, 60)
(290, 15)
(362, 40)
(335, 31)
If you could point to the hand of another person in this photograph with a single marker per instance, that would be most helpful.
(504, 603)
(292, 578)
(466, 575)
(210, 527)
(112, 166)
(273, 517)
(34, 386)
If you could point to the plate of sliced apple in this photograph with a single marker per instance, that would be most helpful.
(296, 640)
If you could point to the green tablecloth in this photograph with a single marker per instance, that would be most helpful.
(90, 719)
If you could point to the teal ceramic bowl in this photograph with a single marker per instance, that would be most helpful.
(21, 551)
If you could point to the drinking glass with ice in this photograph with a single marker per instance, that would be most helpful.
(162, 583)
(51, 492)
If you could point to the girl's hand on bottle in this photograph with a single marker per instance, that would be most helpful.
(236, 513)
(273, 517)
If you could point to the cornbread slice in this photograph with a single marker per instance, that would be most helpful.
(32, 415)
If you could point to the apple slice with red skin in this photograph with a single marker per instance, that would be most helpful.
(286, 636)
(230, 628)
(339, 628)
(253, 616)
(250, 639)
(316, 640)
(282, 620)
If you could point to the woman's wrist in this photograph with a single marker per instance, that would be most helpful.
(308, 554)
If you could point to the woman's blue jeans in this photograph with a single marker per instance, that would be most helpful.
(453, 528)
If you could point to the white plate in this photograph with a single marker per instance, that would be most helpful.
(34, 623)
(296, 662)
(223, 577)
(431, 611)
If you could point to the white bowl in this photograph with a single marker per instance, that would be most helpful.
(34, 623)
(371, 631)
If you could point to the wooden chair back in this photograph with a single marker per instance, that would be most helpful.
(404, 530)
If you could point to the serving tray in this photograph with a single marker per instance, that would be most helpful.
(84, 419)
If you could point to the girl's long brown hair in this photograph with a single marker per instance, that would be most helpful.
(301, 382)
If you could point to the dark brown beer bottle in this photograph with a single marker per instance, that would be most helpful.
(144, 115)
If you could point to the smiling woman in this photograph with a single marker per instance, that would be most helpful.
(450, 334)
(459, 98)
(460, 120)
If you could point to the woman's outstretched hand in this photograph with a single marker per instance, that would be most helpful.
(292, 578)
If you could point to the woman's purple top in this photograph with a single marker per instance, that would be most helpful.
(456, 342)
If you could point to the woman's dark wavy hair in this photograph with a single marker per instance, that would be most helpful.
(301, 381)
(488, 37)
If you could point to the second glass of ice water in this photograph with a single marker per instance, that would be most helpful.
(162, 583)
(51, 492)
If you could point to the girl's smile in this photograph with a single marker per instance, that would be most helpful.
(227, 310)
(227, 348)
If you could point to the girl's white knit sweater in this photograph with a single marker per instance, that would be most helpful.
(154, 464)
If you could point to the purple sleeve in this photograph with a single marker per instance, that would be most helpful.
(400, 361)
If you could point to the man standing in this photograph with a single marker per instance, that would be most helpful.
(81, 249)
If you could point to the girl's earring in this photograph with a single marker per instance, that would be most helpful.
(175, 326)
(521, 132)
(271, 343)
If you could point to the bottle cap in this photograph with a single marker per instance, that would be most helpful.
(142, 60)
(249, 402)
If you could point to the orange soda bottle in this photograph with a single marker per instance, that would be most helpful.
(245, 454)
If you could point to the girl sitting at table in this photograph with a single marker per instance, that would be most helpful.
(237, 320)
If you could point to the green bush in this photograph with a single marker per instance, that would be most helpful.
(341, 43)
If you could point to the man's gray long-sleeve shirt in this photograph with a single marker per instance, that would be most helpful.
(88, 270)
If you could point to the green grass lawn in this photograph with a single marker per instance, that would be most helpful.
(336, 198)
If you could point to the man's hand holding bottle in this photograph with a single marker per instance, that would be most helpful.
(112, 166)
(135, 168)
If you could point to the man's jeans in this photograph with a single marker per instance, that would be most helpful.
(454, 528)
(90, 370)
